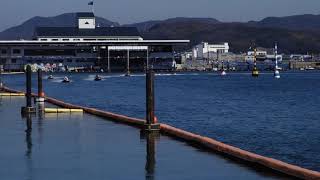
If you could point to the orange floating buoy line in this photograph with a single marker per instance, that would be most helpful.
(202, 141)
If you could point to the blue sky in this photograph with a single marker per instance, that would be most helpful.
(14, 12)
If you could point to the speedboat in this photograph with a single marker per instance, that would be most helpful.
(50, 77)
(310, 68)
(98, 78)
(66, 80)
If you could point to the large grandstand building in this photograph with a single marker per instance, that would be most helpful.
(89, 46)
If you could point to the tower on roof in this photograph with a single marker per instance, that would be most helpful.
(86, 20)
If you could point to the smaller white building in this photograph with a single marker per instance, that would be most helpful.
(207, 51)
(86, 21)
(262, 54)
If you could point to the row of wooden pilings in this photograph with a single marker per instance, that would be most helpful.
(151, 125)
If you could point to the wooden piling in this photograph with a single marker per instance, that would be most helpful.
(40, 97)
(151, 125)
(28, 108)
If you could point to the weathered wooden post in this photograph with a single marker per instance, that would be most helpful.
(151, 124)
(151, 154)
(1, 83)
(28, 135)
(40, 97)
(128, 63)
(28, 109)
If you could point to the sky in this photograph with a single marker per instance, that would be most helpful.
(14, 12)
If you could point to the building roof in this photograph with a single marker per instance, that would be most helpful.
(76, 32)
(85, 14)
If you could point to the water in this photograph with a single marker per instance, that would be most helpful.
(275, 118)
(82, 147)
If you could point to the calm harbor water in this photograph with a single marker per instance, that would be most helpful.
(82, 147)
(275, 118)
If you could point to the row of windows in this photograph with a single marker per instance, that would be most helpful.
(91, 39)
(14, 51)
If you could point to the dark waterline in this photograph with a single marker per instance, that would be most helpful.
(275, 118)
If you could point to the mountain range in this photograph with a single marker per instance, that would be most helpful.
(294, 34)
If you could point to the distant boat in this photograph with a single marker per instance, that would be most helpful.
(66, 80)
(301, 69)
(50, 77)
(310, 68)
(214, 69)
(98, 78)
(223, 73)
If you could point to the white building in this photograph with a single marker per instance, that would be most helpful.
(262, 54)
(207, 51)
(88, 46)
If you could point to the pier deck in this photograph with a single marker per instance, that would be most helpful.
(82, 146)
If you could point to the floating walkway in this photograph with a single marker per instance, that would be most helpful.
(12, 94)
(209, 144)
(62, 110)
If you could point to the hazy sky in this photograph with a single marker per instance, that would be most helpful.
(14, 12)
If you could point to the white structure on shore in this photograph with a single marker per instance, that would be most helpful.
(207, 51)
(262, 55)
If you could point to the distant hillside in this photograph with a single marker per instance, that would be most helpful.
(298, 22)
(145, 26)
(26, 30)
(239, 35)
(294, 34)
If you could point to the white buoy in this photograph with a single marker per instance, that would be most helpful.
(276, 69)
(277, 74)
(223, 73)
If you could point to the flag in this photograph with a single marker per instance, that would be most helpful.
(90, 3)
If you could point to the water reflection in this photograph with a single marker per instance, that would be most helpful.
(40, 120)
(28, 135)
(151, 138)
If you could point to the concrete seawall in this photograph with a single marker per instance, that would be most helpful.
(208, 143)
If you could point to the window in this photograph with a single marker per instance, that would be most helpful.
(43, 39)
(76, 39)
(3, 61)
(13, 61)
(3, 51)
(16, 51)
(65, 39)
(55, 39)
